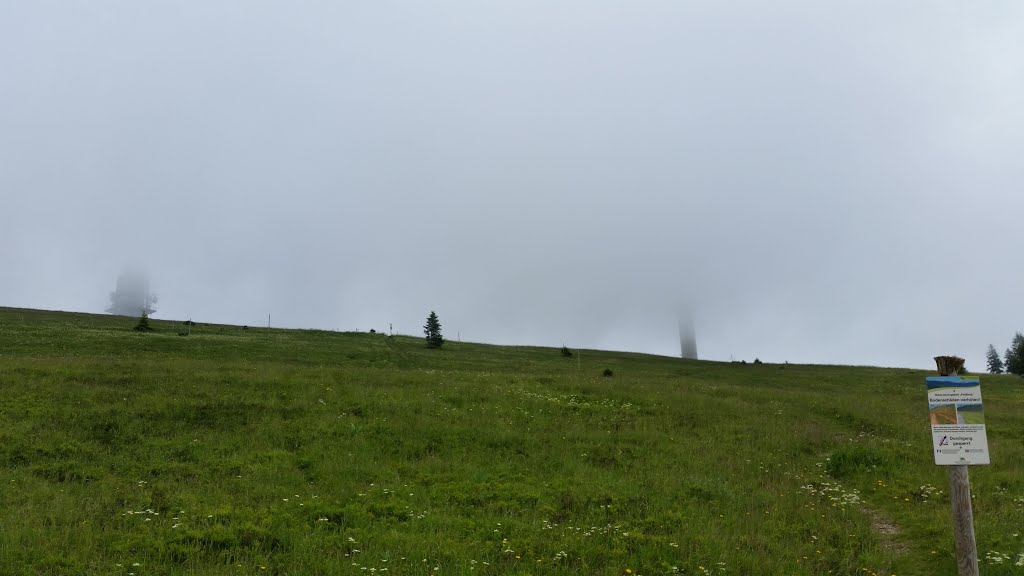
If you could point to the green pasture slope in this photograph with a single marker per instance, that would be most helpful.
(255, 451)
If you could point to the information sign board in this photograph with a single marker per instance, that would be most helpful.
(958, 423)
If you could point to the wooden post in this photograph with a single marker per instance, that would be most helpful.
(960, 494)
(963, 521)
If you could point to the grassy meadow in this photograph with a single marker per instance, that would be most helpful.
(256, 451)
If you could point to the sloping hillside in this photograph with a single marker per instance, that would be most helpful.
(244, 450)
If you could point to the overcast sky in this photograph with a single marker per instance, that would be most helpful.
(826, 182)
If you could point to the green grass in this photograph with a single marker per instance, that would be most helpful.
(240, 451)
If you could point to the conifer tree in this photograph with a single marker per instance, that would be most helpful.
(995, 364)
(1014, 359)
(432, 329)
(143, 325)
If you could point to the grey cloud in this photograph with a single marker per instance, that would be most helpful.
(801, 174)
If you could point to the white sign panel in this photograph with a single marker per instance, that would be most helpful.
(958, 422)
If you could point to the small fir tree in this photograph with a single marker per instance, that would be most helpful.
(1014, 359)
(995, 363)
(143, 325)
(432, 330)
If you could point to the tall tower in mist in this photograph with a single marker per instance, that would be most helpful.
(132, 296)
(687, 337)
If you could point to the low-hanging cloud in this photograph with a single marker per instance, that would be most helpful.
(817, 183)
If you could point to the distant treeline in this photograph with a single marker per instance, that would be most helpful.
(1012, 361)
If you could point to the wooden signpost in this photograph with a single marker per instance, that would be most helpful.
(958, 439)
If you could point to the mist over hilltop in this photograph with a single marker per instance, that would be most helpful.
(800, 175)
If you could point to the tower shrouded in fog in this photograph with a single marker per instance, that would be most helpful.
(132, 296)
(687, 337)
